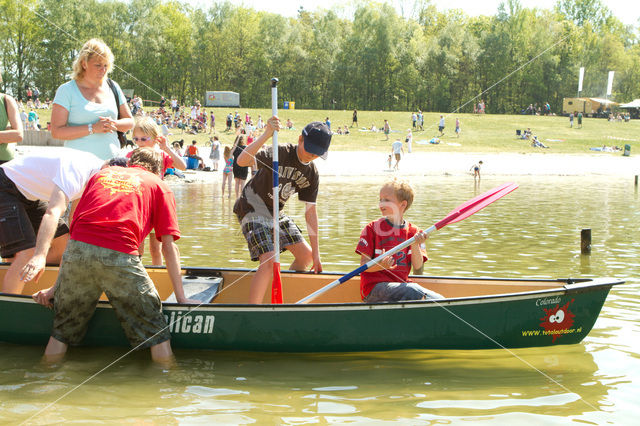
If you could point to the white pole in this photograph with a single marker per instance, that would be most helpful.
(276, 193)
(580, 79)
(610, 83)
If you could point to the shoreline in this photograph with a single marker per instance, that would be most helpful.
(419, 163)
(458, 164)
(374, 164)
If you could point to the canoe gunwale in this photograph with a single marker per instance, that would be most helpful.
(597, 284)
(575, 287)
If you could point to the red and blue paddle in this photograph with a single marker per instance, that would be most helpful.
(276, 285)
(461, 212)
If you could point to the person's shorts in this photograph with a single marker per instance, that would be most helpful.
(89, 270)
(258, 231)
(397, 157)
(440, 128)
(397, 292)
(240, 172)
(20, 219)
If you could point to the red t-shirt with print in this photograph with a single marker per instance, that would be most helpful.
(120, 206)
(381, 235)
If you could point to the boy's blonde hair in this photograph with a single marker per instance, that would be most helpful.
(93, 47)
(148, 158)
(148, 126)
(402, 190)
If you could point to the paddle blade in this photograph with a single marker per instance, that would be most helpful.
(470, 207)
(276, 285)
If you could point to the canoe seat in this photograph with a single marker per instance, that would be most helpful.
(204, 289)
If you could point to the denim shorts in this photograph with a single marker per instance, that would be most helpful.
(87, 271)
(398, 292)
(20, 219)
(258, 231)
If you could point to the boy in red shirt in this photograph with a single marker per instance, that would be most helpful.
(388, 281)
(118, 208)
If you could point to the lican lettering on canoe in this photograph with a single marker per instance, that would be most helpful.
(185, 322)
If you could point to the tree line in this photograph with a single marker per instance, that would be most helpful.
(372, 59)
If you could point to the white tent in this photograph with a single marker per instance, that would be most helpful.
(602, 101)
(633, 104)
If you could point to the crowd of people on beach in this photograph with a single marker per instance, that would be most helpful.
(113, 202)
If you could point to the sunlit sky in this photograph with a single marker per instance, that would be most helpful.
(628, 11)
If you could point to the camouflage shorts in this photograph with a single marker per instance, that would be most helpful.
(87, 271)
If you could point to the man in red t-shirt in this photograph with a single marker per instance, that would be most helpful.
(388, 280)
(118, 208)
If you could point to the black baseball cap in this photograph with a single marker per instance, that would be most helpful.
(317, 138)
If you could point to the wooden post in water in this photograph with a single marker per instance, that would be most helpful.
(585, 241)
(636, 180)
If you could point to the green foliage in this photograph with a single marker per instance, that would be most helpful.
(375, 59)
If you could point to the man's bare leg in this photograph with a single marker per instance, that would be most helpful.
(302, 256)
(262, 278)
(55, 351)
(162, 354)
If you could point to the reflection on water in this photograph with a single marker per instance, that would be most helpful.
(533, 232)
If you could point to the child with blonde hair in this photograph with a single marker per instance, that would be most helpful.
(388, 280)
(147, 134)
(227, 172)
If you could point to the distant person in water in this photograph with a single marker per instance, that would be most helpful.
(476, 170)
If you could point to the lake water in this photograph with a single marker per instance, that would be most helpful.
(534, 232)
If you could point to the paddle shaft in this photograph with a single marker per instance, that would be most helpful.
(276, 284)
(364, 267)
(276, 178)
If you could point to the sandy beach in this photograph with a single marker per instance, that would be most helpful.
(420, 163)
(363, 163)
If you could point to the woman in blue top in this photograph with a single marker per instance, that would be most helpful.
(84, 112)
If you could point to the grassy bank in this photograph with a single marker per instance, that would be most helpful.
(480, 133)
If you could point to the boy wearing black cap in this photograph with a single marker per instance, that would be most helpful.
(254, 208)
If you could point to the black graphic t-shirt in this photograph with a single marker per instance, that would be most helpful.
(294, 176)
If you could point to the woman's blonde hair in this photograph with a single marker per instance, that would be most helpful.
(227, 152)
(148, 126)
(92, 48)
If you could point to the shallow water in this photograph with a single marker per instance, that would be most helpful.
(534, 232)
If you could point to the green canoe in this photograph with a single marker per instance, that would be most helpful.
(478, 313)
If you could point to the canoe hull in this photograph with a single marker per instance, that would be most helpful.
(560, 316)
